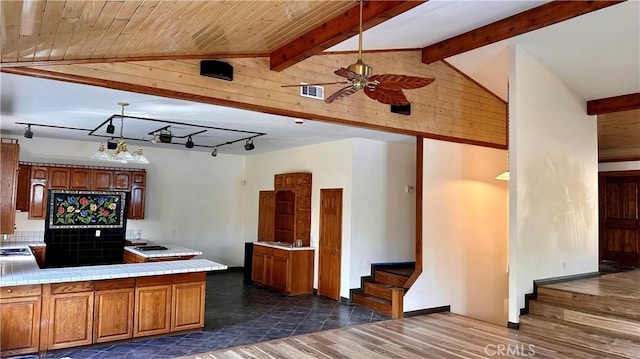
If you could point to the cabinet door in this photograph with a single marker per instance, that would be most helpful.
(136, 202)
(122, 180)
(266, 215)
(59, 177)
(113, 315)
(9, 153)
(187, 303)
(38, 193)
(71, 320)
(139, 178)
(80, 178)
(258, 270)
(24, 188)
(102, 180)
(20, 325)
(152, 313)
(280, 270)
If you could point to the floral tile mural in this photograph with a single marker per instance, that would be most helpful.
(86, 209)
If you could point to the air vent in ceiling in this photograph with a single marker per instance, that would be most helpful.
(316, 92)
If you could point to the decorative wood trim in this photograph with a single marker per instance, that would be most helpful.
(630, 159)
(43, 164)
(554, 280)
(478, 84)
(128, 59)
(415, 313)
(533, 19)
(614, 104)
(418, 225)
(51, 75)
(337, 30)
(619, 173)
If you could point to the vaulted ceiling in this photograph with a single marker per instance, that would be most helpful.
(472, 35)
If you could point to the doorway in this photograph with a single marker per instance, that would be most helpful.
(330, 243)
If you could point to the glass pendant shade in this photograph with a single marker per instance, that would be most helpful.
(138, 157)
(101, 154)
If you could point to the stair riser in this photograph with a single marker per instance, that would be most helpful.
(373, 305)
(618, 325)
(578, 336)
(390, 278)
(591, 303)
(377, 291)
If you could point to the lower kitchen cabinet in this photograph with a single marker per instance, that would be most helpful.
(187, 304)
(287, 271)
(152, 310)
(70, 320)
(19, 319)
(113, 310)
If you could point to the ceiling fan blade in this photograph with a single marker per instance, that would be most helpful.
(400, 82)
(387, 96)
(345, 91)
(318, 84)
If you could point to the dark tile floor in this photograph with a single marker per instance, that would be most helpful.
(236, 314)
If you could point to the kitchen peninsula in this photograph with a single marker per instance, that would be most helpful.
(54, 308)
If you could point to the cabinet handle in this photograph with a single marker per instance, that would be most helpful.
(9, 290)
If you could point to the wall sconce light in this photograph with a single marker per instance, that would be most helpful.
(249, 145)
(27, 132)
(189, 143)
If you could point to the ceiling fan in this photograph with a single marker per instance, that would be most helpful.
(385, 88)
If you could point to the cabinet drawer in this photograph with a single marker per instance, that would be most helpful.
(20, 291)
(72, 287)
(153, 280)
(262, 249)
(281, 253)
(115, 283)
(189, 277)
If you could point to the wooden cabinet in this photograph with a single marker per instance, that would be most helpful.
(121, 180)
(293, 207)
(187, 301)
(70, 314)
(20, 319)
(24, 187)
(113, 310)
(102, 180)
(81, 179)
(59, 177)
(152, 313)
(9, 153)
(266, 215)
(38, 193)
(288, 271)
(136, 202)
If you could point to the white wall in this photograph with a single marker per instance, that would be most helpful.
(375, 222)
(464, 238)
(619, 166)
(553, 218)
(192, 199)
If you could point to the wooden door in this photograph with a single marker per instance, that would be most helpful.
(330, 247)
(113, 315)
(620, 218)
(59, 177)
(152, 310)
(71, 320)
(20, 325)
(187, 302)
(266, 215)
(80, 179)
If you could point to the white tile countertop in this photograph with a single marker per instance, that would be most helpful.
(284, 245)
(23, 270)
(171, 251)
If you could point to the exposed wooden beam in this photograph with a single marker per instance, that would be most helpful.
(614, 104)
(533, 19)
(337, 30)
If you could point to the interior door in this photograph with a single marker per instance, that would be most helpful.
(330, 246)
(620, 218)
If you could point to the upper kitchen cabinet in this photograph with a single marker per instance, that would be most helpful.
(121, 180)
(10, 151)
(59, 177)
(102, 180)
(137, 195)
(81, 179)
(38, 192)
(293, 207)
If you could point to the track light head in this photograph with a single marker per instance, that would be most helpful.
(165, 136)
(249, 145)
(110, 127)
(112, 145)
(27, 132)
(189, 143)
(214, 153)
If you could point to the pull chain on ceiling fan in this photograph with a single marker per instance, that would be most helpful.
(384, 88)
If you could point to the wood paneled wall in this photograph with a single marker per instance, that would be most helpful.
(452, 108)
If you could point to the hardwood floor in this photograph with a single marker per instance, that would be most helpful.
(442, 335)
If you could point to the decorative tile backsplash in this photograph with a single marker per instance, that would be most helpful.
(25, 236)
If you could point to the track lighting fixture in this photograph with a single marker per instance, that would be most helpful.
(189, 143)
(27, 132)
(112, 144)
(214, 153)
(165, 136)
(111, 128)
(249, 145)
(154, 140)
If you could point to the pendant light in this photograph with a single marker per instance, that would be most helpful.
(121, 153)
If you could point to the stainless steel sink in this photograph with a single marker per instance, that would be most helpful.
(15, 252)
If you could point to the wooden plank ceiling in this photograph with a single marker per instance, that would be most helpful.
(619, 136)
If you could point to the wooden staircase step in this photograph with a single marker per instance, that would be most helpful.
(382, 276)
(594, 319)
(374, 303)
(377, 289)
(589, 337)
(610, 305)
